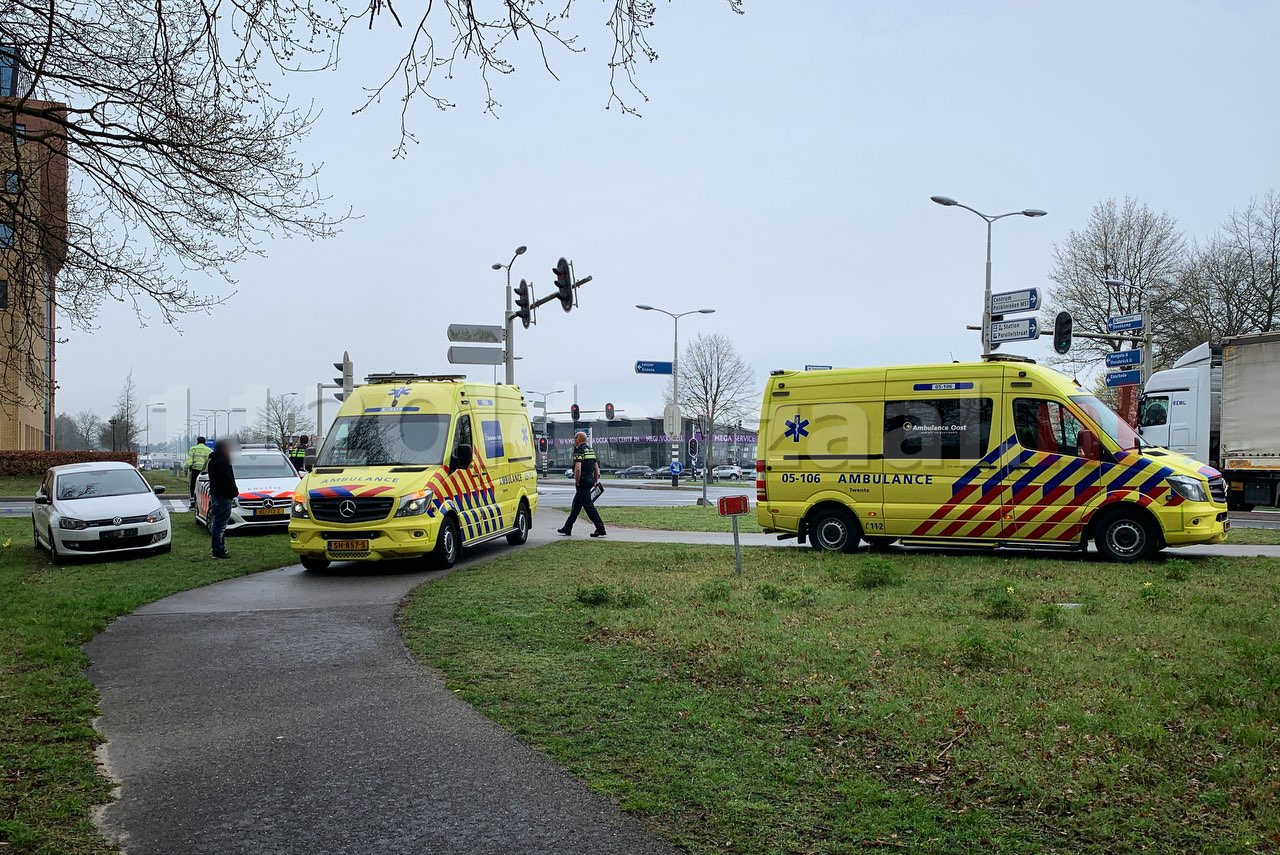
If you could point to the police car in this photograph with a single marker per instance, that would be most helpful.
(267, 480)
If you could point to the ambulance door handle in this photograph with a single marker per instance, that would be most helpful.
(1016, 468)
(988, 466)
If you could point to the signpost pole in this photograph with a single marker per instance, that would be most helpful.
(508, 334)
(737, 548)
(675, 399)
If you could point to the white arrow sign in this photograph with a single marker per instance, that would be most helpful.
(1026, 300)
(1019, 330)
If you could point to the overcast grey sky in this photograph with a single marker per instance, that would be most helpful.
(780, 174)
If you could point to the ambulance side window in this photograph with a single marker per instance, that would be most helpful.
(1046, 426)
(944, 429)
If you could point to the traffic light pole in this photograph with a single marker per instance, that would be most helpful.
(509, 327)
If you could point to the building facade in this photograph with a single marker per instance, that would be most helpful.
(641, 442)
(33, 228)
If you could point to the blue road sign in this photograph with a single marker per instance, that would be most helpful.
(1124, 323)
(1020, 330)
(1122, 358)
(650, 367)
(676, 468)
(1124, 378)
(1026, 300)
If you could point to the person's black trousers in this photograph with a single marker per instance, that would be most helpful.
(582, 502)
(191, 482)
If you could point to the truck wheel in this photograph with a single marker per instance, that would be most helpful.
(448, 547)
(833, 531)
(523, 524)
(314, 565)
(1125, 537)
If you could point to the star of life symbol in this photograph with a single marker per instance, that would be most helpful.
(524, 433)
(398, 393)
(797, 428)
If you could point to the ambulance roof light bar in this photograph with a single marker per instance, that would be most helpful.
(393, 377)
(1007, 357)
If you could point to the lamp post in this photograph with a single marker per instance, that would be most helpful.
(545, 420)
(112, 422)
(508, 324)
(948, 202)
(675, 372)
(160, 406)
(216, 410)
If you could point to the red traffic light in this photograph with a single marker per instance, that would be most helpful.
(542, 445)
(608, 411)
(575, 411)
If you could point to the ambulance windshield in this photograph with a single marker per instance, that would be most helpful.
(402, 439)
(1120, 431)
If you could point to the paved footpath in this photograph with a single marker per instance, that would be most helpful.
(281, 713)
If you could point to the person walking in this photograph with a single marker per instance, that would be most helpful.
(222, 492)
(197, 457)
(586, 474)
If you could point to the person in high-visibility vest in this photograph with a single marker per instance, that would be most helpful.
(298, 454)
(197, 457)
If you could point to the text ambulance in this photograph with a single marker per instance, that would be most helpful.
(995, 453)
(414, 466)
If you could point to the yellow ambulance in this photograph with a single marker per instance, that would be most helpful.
(418, 465)
(997, 453)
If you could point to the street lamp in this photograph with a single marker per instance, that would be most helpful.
(507, 325)
(113, 422)
(160, 406)
(675, 371)
(948, 202)
(216, 410)
(545, 420)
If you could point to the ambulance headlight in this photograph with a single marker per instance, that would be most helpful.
(415, 504)
(300, 511)
(1191, 489)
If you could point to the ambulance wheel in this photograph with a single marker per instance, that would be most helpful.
(833, 530)
(1125, 536)
(314, 565)
(448, 545)
(523, 523)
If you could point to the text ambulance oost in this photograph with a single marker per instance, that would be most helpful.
(414, 466)
(990, 453)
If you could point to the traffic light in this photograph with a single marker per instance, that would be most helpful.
(575, 411)
(564, 283)
(348, 379)
(608, 411)
(542, 445)
(524, 303)
(1062, 332)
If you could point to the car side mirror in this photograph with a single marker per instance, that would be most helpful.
(41, 499)
(158, 489)
(1088, 444)
(461, 457)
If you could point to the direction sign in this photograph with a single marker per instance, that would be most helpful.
(1124, 378)
(475, 355)
(1019, 330)
(1124, 323)
(1121, 358)
(671, 421)
(475, 333)
(1026, 300)
(646, 366)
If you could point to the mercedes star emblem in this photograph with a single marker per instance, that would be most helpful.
(267, 503)
(347, 508)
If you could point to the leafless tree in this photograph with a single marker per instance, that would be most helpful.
(716, 383)
(1127, 242)
(88, 425)
(281, 419)
(1252, 238)
(121, 431)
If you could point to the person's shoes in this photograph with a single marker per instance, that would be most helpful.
(564, 532)
(600, 533)
(221, 555)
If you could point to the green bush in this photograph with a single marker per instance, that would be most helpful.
(877, 573)
(1003, 604)
(594, 595)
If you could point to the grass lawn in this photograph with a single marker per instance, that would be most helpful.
(683, 518)
(48, 781)
(1254, 536)
(25, 487)
(826, 703)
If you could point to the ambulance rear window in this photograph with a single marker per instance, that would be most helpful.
(938, 429)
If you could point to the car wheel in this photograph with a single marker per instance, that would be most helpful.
(55, 556)
(448, 545)
(1125, 536)
(523, 524)
(314, 565)
(833, 531)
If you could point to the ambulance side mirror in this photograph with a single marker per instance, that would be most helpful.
(1088, 445)
(461, 457)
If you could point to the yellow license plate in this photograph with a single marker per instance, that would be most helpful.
(348, 546)
(269, 512)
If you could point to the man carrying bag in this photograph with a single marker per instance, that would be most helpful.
(586, 479)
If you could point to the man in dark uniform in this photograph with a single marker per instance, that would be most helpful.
(586, 472)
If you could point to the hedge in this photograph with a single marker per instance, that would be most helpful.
(29, 464)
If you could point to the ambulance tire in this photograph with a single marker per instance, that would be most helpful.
(833, 529)
(448, 545)
(1126, 536)
(314, 565)
(523, 523)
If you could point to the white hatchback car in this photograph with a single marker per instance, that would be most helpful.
(266, 480)
(98, 509)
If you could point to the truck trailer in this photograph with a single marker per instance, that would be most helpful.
(1221, 404)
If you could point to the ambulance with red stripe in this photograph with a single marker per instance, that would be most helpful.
(998, 453)
(417, 466)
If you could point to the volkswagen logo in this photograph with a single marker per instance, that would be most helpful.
(347, 508)
(116, 521)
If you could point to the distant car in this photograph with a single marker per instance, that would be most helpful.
(568, 473)
(98, 509)
(267, 480)
(727, 472)
(635, 472)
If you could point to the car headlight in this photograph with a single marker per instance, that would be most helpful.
(158, 515)
(300, 510)
(1191, 489)
(72, 524)
(415, 504)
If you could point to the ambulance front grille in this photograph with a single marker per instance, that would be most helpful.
(365, 510)
(1218, 490)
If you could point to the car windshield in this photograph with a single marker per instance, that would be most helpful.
(401, 439)
(259, 465)
(1120, 431)
(99, 483)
